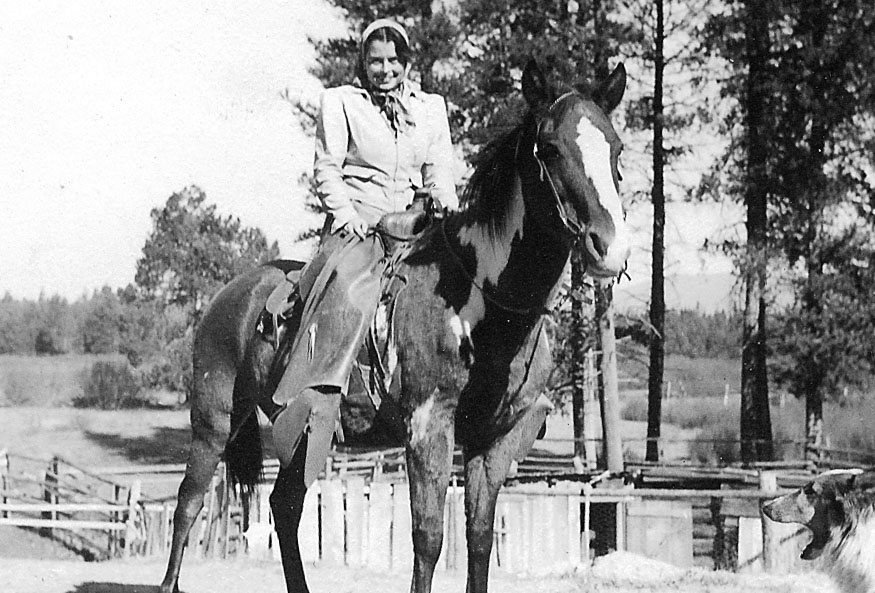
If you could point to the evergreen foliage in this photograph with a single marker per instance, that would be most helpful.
(192, 252)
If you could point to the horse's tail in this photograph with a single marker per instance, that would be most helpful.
(243, 455)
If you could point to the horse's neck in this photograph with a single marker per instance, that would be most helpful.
(519, 262)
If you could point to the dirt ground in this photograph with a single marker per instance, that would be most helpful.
(615, 573)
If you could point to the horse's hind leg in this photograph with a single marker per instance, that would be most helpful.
(287, 505)
(485, 473)
(211, 425)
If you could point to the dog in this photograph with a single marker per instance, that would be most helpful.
(838, 507)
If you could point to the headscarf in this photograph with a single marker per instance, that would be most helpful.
(391, 104)
(380, 24)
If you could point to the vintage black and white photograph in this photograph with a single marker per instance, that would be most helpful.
(452, 295)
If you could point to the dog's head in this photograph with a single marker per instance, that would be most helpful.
(820, 505)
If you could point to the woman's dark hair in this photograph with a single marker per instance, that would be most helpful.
(387, 34)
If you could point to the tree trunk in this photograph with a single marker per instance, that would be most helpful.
(657, 283)
(813, 422)
(755, 423)
(610, 398)
(578, 360)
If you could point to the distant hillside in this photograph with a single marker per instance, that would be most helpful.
(706, 292)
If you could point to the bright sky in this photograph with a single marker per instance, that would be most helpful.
(108, 107)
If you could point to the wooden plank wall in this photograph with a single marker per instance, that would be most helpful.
(349, 522)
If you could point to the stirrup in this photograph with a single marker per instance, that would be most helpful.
(278, 302)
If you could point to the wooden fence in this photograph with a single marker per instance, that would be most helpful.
(355, 523)
(358, 515)
(90, 513)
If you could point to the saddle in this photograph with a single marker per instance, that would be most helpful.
(395, 229)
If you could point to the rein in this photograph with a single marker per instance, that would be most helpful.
(509, 308)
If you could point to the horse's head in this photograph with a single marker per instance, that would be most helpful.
(577, 149)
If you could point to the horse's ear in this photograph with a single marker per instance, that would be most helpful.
(611, 90)
(535, 89)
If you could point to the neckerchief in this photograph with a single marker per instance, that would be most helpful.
(394, 108)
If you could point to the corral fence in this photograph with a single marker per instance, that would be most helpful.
(358, 514)
(91, 514)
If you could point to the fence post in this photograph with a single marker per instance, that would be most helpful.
(591, 425)
(769, 483)
(225, 524)
(587, 509)
(114, 536)
(50, 494)
(4, 482)
(131, 537)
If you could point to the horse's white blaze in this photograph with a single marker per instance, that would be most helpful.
(596, 154)
(419, 420)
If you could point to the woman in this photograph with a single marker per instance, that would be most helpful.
(382, 145)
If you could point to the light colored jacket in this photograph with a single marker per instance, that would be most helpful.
(364, 168)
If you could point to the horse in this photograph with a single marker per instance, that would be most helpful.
(472, 351)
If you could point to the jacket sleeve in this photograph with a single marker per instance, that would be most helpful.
(332, 142)
(437, 170)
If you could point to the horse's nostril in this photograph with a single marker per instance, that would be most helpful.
(598, 245)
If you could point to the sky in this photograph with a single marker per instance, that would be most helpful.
(110, 107)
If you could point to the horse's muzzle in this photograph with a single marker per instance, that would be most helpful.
(605, 260)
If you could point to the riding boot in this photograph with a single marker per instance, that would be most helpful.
(313, 412)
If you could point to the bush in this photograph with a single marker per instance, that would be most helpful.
(111, 386)
(171, 369)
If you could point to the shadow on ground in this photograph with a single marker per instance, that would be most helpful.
(113, 588)
(165, 445)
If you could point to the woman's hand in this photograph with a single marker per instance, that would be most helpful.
(358, 227)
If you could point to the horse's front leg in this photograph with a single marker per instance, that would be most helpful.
(429, 459)
(485, 472)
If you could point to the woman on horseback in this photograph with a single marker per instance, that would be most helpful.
(382, 146)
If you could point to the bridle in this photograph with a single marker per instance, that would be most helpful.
(576, 231)
(574, 228)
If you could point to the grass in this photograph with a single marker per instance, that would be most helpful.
(42, 380)
(846, 426)
(687, 377)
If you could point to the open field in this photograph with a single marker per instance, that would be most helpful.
(44, 380)
(615, 573)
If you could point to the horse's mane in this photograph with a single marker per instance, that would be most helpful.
(490, 190)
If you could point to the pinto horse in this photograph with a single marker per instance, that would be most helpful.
(472, 354)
